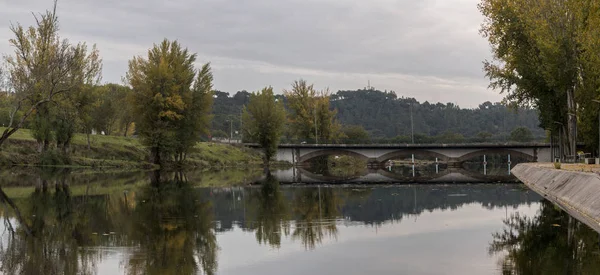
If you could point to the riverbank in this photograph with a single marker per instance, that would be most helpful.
(21, 182)
(574, 187)
(119, 152)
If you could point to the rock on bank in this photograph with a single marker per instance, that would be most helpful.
(576, 192)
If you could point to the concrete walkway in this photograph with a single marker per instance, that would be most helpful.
(574, 187)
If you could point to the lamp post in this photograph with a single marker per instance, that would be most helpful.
(316, 133)
(598, 101)
(412, 126)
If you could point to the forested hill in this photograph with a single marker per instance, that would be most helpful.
(385, 115)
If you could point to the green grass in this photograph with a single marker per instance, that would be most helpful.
(123, 152)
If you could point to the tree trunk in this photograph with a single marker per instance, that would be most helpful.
(155, 177)
(88, 141)
(155, 155)
(571, 124)
(126, 129)
(5, 199)
(10, 129)
(45, 144)
(267, 165)
(6, 134)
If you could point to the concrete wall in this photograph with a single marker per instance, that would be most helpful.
(576, 192)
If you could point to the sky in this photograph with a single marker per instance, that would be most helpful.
(427, 49)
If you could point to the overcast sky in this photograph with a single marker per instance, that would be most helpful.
(427, 49)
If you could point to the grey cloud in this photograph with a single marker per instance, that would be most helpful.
(293, 38)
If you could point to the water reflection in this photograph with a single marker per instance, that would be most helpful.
(169, 223)
(481, 168)
(552, 242)
(269, 217)
(428, 173)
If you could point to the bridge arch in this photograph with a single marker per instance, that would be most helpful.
(329, 152)
(512, 153)
(406, 153)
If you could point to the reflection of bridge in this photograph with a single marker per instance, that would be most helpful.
(377, 154)
(450, 175)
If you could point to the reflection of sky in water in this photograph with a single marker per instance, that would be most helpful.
(437, 242)
(382, 229)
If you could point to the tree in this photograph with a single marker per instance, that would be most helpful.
(160, 85)
(44, 67)
(196, 116)
(539, 48)
(311, 117)
(483, 136)
(264, 119)
(301, 102)
(521, 134)
(356, 134)
(329, 129)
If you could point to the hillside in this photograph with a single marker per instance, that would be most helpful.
(386, 116)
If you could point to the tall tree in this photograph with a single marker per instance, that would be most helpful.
(161, 82)
(301, 102)
(311, 117)
(329, 129)
(264, 118)
(538, 57)
(196, 116)
(45, 66)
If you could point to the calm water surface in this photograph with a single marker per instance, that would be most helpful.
(150, 223)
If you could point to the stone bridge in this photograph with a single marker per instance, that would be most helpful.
(379, 154)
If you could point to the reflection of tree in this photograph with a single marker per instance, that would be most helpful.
(315, 210)
(167, 221)
(48, 235)
(269, 212)
(173, 227)
(550, 243)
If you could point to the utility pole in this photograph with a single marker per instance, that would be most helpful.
(316, 133)
(412, 126)
(230, 129)
(241, 126)
(598, 101)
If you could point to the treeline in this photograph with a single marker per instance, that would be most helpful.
(373, 116)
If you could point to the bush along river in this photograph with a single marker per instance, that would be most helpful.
(243, 222)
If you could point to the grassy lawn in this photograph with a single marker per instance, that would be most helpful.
(124, 152)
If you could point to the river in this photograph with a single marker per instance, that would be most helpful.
(77, 222)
